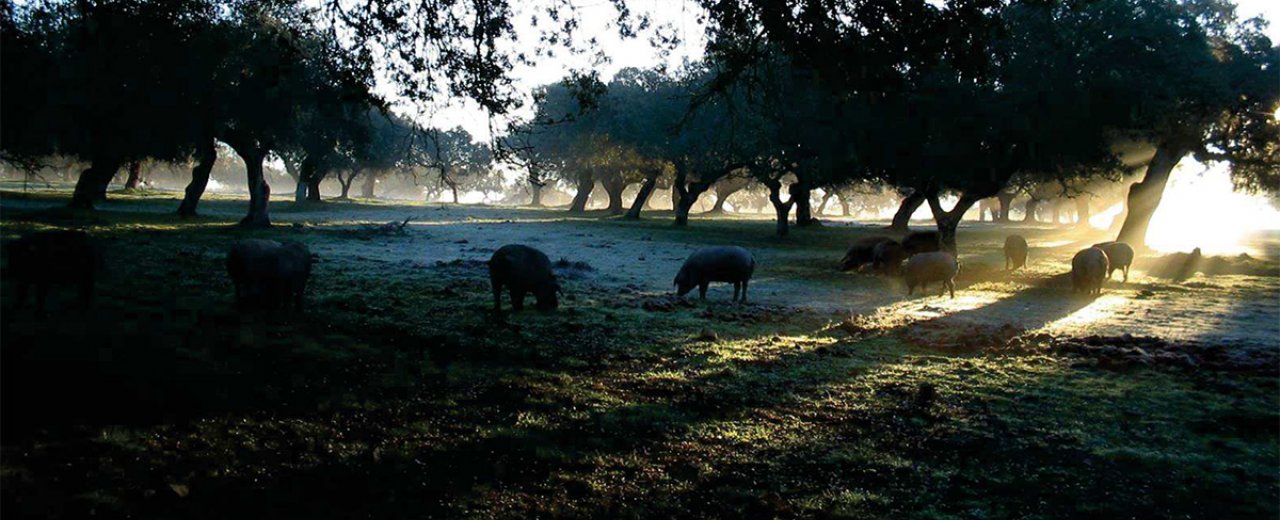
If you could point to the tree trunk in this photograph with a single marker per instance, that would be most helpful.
(723, 191)
(453, 190)
(1082, 211)
(782, 210)
(535, 194)
(949, 221)
(1006, 203)
(92, 185)
(822, 206)
(646, 190)
(313, 188)
(718, 207)
(300, 191)
(909, 205)
(686, 201)
(614, 189)
(1144, 196)
(800, 197)
(844, 207)
(346, 186)
(585, 184)
(1032, 205)
(259, 189)
(135, 176)
(206, 155)
(686, 194)
(366, 189)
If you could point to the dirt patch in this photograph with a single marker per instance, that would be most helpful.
(665, 303)
(1146, 351)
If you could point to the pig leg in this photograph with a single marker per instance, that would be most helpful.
(517, 299)
(951, 285)
(702, 290)
(737, 286)
(1126, 274)
(497, 294)
(744, 291)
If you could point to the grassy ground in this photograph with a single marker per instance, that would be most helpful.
(397, 394)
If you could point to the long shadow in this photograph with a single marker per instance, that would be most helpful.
(432, 477)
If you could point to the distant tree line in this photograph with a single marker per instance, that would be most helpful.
(115, 82)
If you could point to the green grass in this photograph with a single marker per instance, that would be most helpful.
(397, 394)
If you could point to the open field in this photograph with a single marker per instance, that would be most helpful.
(398, 394)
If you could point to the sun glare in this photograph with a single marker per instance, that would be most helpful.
(1080, 321)
(1200, 209)
(1104, 219)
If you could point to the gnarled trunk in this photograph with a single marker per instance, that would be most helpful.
(259, 191)
(642, 198)
(586, 183)
(800, 192)
(782, 210)
(313, 188)
(1006, 203)
(1144, 196)
(826, 198)
(345, 183)
(206, 155)
(453, 190)
(92, 185)
(724, 190)
(909, 205)
(687, 200)
(535, 194)
(135, 176)
(949, 221)
(686, 194)
(1032, 205)
(844, 207)
(614, 188)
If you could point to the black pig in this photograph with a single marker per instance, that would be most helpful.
(731, 264)
(268, 273)
(51, 258)
(523, 269)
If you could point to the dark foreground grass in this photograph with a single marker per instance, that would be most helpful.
(398, 395)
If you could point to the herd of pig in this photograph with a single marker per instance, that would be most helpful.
(926, 262)
(273, 274)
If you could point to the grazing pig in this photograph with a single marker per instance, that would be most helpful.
(887, 257)
(1088, 270)
(918, 242)
(269, 274)
(1015, 252)
(522, 270)
(51, 258)
(731, 264)
(936, 266)
(862, 252)
(1120, 255)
